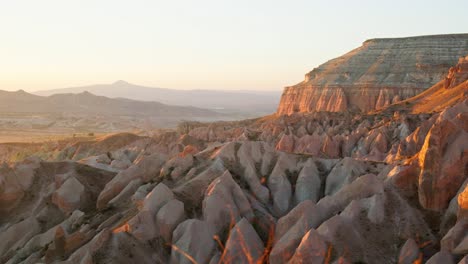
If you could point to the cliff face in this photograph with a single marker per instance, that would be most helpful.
(457, 75)
(449, 91)
(380, 72)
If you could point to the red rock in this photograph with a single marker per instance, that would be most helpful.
(312, 249)
(243, 245)
(225, 203)
(373, 75)
(286, 143)
(442, 159)
(332, 147)
(70, 196)
(441, 257)
(290, 230)
(409, 253)
(145, 168)
(463, 204)
(192, 242)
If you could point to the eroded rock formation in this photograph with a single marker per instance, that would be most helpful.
(380, 72)
(389, 186)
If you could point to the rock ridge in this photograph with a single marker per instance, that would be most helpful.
(375, 75)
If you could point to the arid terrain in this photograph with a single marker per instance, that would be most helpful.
(242, 103)
(25, 117)
(366, 161)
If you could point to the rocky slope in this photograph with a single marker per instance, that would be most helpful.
(452, 89)
(381, 187)
(380, 72)
(317, 188)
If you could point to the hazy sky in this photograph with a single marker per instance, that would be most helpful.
(209, 44)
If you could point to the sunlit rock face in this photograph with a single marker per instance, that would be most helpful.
(380, 72)
(457, 74)
(388, 186)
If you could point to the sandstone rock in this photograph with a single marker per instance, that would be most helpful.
(263, 220)
(16, 236)
(279, 185)
(312, 249)
(409, 253)
(126, 193)
(380, 143)
(329, 210)
(290, 230)
(126, 249)
(364, 80)
(57, 248)
(374, 206)
(450, 215)
(25, 171)
(345, 172)
(308, 183)
(341, 260)
(243, 245)
(139, 196)
(225, 203)
(349, 143)
(442, 160)
(286, 143)
(120, 164)
(463, 204)
(143, 225)
(42, 240)
(404, 130)
(309, 144)
(168, 217)
(345, 239)
(176, 166)
(191, 192)
(454, 236)
(441, 257)
(462, 247)
(70, 196)
(158, 197)
(192, 242)
(103, 158)
(216, 258)
(145, 169)
(464, 260)
(98, 162)
(363, 187)
(331, 147)
(250, 154)
(405, 177)
(11, 191)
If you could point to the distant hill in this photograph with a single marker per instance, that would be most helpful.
(88, 103)
(22, 112)
(248, 103)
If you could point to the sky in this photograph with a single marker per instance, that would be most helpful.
(198, 44)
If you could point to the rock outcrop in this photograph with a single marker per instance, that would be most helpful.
(382, 187)
(380, 72)
(449, 91)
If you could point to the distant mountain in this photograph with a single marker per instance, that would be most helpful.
(252, 103)
(89, 104)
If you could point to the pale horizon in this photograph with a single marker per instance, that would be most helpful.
(228, 45)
